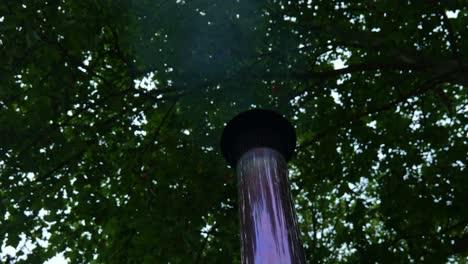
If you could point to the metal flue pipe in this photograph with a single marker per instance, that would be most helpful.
(259, 143)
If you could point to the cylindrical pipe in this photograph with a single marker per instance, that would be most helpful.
(259, 143)
(269, 231)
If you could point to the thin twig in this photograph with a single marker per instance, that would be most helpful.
(161, 124)
(451, 36)
(205, 242)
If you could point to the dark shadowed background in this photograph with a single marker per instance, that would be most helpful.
(111, 114)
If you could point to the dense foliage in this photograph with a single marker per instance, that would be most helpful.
(111, 114)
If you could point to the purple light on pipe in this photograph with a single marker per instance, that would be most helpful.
(269, 230)
(259, 143)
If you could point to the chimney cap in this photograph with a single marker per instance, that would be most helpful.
(257, 128)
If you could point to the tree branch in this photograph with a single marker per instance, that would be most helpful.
(426, 86)
(455, 226)
(379, 42)
(360, 67)
(60, 165)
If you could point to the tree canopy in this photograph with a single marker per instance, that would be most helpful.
(111, 114)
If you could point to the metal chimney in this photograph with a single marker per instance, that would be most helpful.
(258, 143)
